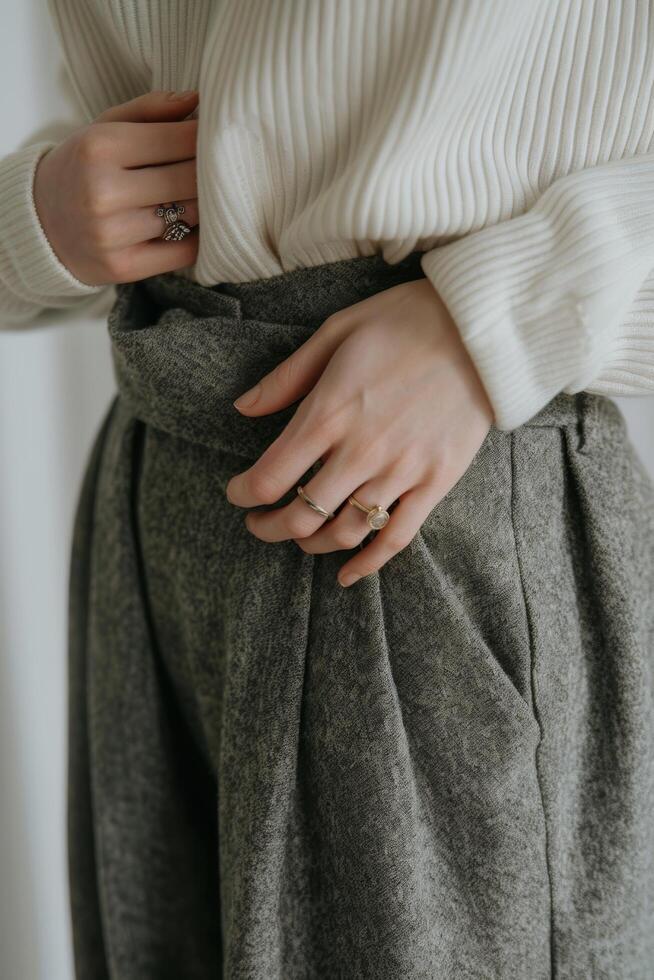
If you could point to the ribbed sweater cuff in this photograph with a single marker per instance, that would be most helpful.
(29, 268)
(541, 299)
(522, 337)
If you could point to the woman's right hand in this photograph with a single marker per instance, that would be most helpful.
(97, 191)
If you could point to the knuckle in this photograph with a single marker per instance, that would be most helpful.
(265, 487)
(117, 267)
(94, 144)
(366, 455)
(411, 463)
(333, 320)
(300, 525)
(346, 538)
(97, 197)
(326, 420)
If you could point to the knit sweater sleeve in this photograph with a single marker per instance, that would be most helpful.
(561, 297)
(36, 288)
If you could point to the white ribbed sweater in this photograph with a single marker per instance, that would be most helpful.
(512, 141)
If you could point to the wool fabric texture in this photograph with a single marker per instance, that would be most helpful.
(445, 770)
(511, 142)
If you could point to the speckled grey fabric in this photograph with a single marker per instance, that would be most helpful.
(444, 771)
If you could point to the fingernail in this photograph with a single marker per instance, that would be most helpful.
(349, 578)
(248, 398)
(179, 96)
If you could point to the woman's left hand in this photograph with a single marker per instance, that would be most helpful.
(393, 407)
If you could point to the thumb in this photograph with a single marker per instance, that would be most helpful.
(152, 107)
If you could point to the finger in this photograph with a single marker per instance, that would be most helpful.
(150, 186)
(152, 107)
(406, 519)
(154, 257)
(328, 488)
(143, 224)
(297, 374)
(350, 526)
(283, 463)
(156, 143)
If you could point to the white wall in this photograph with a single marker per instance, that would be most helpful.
(55, 384)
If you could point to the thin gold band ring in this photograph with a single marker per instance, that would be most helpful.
(307, 499)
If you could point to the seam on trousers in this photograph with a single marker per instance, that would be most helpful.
(582, 420)
(535, 707)
(306, 666)
(137, 450)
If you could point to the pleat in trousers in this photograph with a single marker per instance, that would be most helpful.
(443, 771)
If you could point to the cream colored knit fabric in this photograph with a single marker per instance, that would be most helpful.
(512, 141)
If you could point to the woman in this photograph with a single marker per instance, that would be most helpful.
(420, 249)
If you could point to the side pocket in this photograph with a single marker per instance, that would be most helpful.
(472, 578)
(538, 763)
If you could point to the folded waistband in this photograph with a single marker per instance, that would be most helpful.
(304, 296)
(183, 352)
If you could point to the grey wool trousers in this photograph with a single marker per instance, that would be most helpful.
(443, 771)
